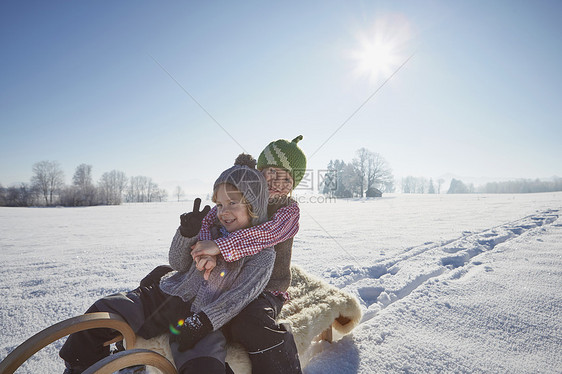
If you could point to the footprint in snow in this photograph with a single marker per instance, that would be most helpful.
(370, 294)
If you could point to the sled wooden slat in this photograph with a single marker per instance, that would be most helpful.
(118, 338)
(131, 357)
(45, 337)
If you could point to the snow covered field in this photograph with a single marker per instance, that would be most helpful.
(448, 283)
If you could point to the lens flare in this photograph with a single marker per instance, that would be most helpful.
(174, 330)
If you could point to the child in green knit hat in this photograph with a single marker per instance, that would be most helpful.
(271, 346)
(283, 164)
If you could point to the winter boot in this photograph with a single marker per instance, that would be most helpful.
(228, 369)
(281, 358)
(207, 365)
(73, 370)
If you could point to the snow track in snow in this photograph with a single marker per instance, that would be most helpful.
(379, 285)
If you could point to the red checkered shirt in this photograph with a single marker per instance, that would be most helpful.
(284, 224)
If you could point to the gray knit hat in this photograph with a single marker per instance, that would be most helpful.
(250, 182)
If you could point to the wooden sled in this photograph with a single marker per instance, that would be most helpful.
(316, 309)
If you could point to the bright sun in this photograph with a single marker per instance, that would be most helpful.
(379, 50)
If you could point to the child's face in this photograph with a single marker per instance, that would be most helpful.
(231, 208)
(279, 181)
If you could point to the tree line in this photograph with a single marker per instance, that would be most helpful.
(367, 175)
(422, 185)
(412, 184)
(47, 188)
(523, 186)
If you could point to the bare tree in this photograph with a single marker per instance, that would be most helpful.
(422, 185)
(143, 189)
(368, 170)
(82, 175)
(84, 188)
(361, 164)
(138, 189)
(379, 173)
(48, 178)
(3, 192)
(440, 181)
(409, 184)
(431, 188)
(112, 186)
(178, 192)
(159, 194)
(389, 186)
(372, 171)
(152, 191)
(412, 184)
(18, 196)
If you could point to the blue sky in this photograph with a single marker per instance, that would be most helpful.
(104, 83)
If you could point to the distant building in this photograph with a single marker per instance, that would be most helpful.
(373, 192)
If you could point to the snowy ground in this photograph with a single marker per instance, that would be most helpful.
(448, 283)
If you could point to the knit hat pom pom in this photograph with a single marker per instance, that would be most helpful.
(245, 159)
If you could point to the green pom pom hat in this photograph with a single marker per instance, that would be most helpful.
(285, 155)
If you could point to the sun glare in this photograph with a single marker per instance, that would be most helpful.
(379, 50)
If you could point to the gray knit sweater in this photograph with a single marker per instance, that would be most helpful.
(231, 285)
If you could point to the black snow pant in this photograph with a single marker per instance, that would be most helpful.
(271, 347)
(149, 312)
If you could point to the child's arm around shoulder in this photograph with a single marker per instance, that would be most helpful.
(284, 224)
(208, 221)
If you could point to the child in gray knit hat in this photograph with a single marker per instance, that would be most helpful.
(189, 305)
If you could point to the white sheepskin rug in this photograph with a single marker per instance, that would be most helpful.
(315, 306)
